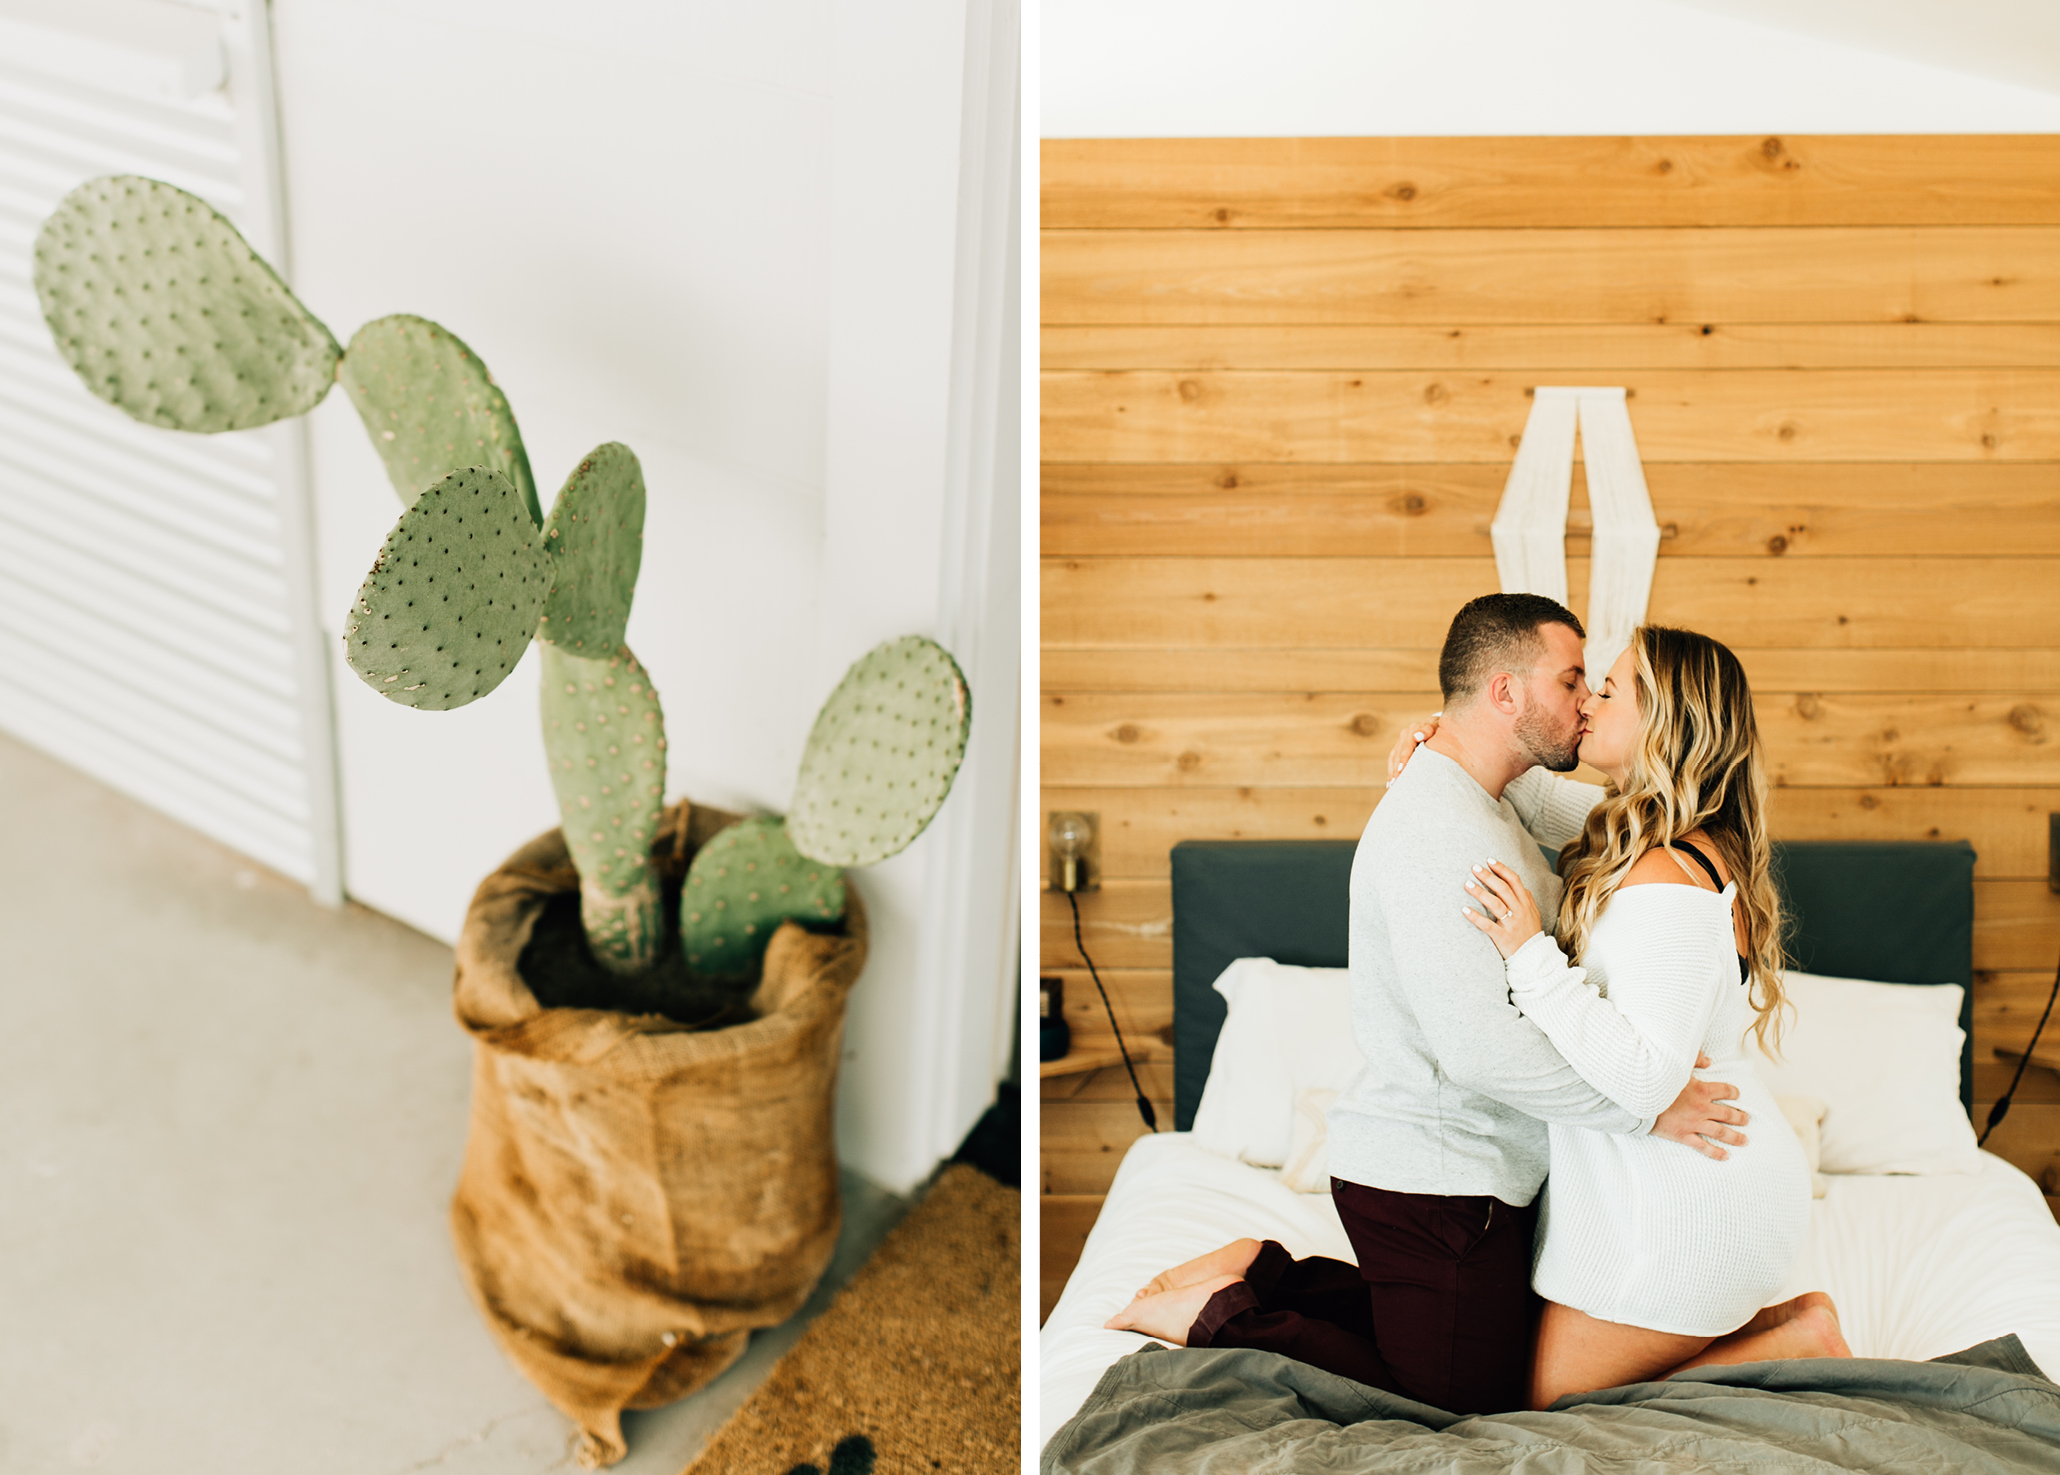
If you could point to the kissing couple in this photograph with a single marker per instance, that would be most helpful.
(1515, 1020)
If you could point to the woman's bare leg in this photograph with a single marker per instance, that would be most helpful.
(1233, 1259)
(1169, 1315)
(1578, 1353)
(1812, 1332)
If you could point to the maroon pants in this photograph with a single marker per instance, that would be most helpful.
(1438, 1309)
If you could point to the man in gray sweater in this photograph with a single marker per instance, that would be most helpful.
(1439, 1149)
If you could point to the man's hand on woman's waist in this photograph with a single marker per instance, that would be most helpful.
(1699, 1118)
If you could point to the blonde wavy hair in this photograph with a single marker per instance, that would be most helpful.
(1696, 764)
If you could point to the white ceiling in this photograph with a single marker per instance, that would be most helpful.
(2010, 40)
(1288, 68)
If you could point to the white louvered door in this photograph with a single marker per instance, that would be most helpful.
(157, 626)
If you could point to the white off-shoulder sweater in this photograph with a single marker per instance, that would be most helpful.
(1637, 1229)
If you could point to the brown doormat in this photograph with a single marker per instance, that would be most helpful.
(916, 1368)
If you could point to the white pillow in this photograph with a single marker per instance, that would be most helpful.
(1884, 1058)
(1307, 1169)
(1288, 1030)
(1246, 1075)
(1806, 1115)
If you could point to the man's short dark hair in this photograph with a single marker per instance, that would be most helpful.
(1497, 632)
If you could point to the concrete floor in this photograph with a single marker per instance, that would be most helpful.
(232, 1123)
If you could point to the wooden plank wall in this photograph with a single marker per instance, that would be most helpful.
(1283, 381)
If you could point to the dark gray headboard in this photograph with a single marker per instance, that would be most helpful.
(1896, 911)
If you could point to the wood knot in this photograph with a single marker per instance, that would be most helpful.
(1409, 504)
(1189, 761)
(1405, 192)
(2029, 720)
(1808, 707)
(1221, 215)
(1988, 442)
(1868, 801)
(1365, 724)
(1771, 148)
(1127, 733)
(1787, 430)
(1190, 391)
(1664, 166)
(1228, 481)
(1436, 394)
(1777, 545)
(1708, 328)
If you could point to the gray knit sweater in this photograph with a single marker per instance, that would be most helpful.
(1458, 1085)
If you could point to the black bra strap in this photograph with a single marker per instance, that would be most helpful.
(1702, 860)
(1744, 967)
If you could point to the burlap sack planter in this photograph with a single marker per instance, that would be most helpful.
(638, 1196)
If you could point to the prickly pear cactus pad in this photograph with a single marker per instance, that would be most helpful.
(595, 537)
(741, 886)
(882, 755)
(431, 407)
(604, 733)
(164, 311)
(453, 597)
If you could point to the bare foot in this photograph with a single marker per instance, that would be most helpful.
(1818, 1326)
(1786, 1311)
(1168, 1315)
(1811, 1332)
(1233, 1259)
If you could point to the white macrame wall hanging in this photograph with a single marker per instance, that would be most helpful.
(1530, 523)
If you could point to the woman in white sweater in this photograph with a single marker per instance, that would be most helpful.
(1651, 1259)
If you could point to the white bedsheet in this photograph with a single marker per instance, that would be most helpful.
(1918, 1266)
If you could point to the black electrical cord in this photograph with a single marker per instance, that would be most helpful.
(2002, 1107)
(1144, 1105)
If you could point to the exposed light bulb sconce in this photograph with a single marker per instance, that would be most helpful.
(1076, 851)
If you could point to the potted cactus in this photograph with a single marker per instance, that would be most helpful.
(639, 1190)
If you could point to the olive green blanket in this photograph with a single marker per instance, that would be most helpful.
(1194, 1411)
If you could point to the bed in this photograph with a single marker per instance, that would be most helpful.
(1920, 1265)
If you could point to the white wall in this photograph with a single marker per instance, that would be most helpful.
(1230, 68)
(916, 376)
(628, 211)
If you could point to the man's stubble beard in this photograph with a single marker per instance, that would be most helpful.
(1555, 753)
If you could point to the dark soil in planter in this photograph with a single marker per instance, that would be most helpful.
(561, 971)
